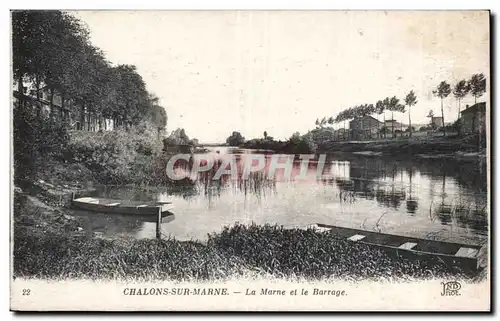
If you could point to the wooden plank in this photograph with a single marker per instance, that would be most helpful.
(466, 252)
(318, 228)
(356, 237)
(88, 200)
(158, 224)
(407, 246)
(142, 205)
(112, 204)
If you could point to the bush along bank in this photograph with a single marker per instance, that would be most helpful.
(237, 251)
(45, 150)
(119, 157)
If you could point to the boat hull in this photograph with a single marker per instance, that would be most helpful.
(109, 206)
(454, 254)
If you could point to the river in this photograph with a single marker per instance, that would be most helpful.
(419, 197)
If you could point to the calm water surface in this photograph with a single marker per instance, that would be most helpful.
(388, 195)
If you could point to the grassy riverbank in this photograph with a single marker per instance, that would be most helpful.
(49, 244)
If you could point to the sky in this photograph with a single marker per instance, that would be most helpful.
(216, 72)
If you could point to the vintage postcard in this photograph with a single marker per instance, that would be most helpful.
(250, 160)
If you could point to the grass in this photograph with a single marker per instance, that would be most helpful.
(236, 251)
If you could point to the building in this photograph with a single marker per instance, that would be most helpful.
(341, 134)
(393, 124)
(436, 122)
(40, 102)
(365, 127)
(473, 118)
(45, 102)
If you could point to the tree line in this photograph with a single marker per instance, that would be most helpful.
(475, 86)
(52, 49)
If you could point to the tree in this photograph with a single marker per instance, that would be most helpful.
(430, 114)
(265, 134)
(52, 50)
(236, 139)
(442, 91)
(45, 45)
(386, 103)
(410, 100)
(379, 109)
(477, 85)
(460, 90)
(394, 105)
(157, 114)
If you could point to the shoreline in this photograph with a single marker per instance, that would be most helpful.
(441, 147)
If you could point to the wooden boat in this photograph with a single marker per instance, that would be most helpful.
(463, 255)
(113, 206)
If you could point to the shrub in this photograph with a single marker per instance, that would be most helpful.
(119, 156)
(37, 139)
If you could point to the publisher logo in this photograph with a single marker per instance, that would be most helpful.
(451, 288)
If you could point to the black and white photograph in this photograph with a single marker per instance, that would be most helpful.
(250, 160)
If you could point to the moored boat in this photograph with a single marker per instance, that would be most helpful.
(463, 255)
(125, 207)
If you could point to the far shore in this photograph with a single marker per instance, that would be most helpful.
(464, 148)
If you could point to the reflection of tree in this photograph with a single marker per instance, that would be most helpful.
(411, 206)
(411, 202)
(185, 188)
(392, 198)
(443, 212)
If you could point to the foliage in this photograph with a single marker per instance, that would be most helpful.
(236, 139)
(36, 139)
(302, 144)
(442, 91)
(179, 137)
(461, 89)
(477, 85)
(53, 49)
(410, 100)
(296, 144)
(120, 156)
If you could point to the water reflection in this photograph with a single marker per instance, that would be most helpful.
(449, 184)
(354, 191)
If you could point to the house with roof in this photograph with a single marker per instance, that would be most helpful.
(365, 127)
(473, 118)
